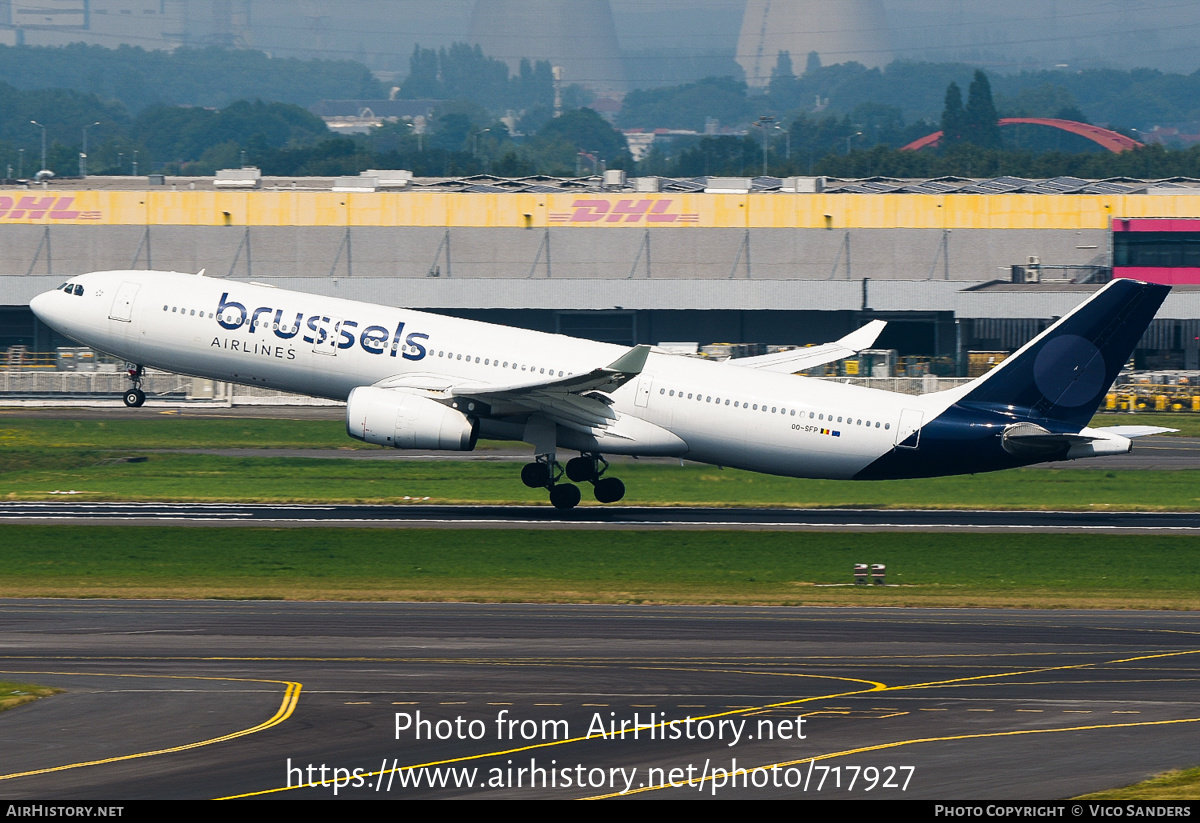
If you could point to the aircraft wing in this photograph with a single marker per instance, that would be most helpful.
(579, 402)
(800, 359)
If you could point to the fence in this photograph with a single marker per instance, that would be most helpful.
(68, 388)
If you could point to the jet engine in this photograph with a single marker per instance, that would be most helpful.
(407, 421)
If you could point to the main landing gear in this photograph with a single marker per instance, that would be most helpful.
(135, 397)
(545, 473)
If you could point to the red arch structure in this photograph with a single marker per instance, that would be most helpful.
(1104, 137)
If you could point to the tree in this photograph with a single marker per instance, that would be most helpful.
(954, 118)
(813, 63)
(982, 125)
(422, 80)
(585, 130)
(687, 106)
(783, 87)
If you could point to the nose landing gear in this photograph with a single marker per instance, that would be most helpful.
(134, 397)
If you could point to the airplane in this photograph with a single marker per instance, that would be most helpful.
(415, 380)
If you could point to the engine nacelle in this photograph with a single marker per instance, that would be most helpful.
(407, 421)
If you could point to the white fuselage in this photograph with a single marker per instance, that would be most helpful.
(726, 414)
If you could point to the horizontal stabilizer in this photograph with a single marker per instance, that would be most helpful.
(1135, 431)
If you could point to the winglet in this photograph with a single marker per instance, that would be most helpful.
(860, 339)
(631, 362)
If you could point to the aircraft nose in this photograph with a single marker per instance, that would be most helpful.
(39, 304)
(45, 307)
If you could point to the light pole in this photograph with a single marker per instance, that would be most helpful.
(762, 123)
(43, 128)
(851, 137)
(475, 142)
(20, 163)
(420, 147)
(135, 163)
(83, 154)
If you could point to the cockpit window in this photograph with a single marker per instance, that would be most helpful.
(63, 286)
(78, 290)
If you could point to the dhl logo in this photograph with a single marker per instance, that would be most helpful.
(32, 207)
(623, 211)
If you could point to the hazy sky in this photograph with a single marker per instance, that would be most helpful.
(1162, 34)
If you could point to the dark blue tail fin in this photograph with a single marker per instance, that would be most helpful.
(1063, 374)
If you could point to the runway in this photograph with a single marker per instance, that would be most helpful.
(417, 515)
(220, 699)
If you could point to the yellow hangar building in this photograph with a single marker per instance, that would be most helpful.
(954, 264)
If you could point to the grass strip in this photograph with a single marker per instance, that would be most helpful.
(173, 431)
(169, 431)
(17, 694)
(603, 566)
(1173, 785)
(52, 474)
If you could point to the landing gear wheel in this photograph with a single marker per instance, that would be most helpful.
(581, 469)
(535, 475)
(609, 490)
(134, 396)
(564, 496)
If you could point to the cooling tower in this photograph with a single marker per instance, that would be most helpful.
(839, 31)
(576, 34)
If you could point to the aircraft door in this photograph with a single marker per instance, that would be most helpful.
(910, 424)
(122, 307)
(645, 384)
(327, 335)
